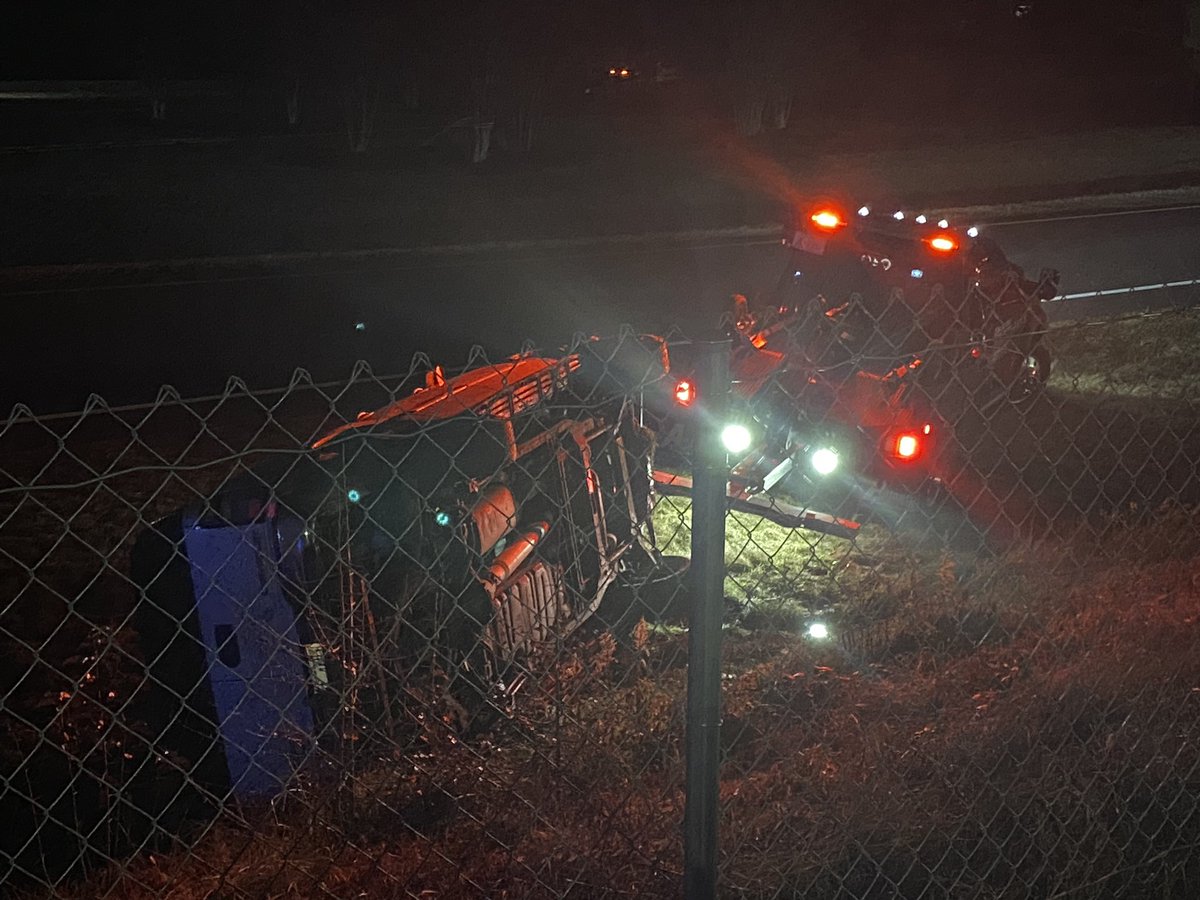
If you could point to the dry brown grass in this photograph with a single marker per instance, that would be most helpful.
(1037, 733)
(1151, 357)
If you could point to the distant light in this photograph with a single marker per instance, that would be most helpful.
(921, 219)
(973, 232)
(736, 438)
(442, 518)
(824, 460)
(898, 215)
(818, 630)
(797, 274)
(917, 273)
(943, 243)
(353, 495)
(360, 326)
(864, 210)
(907, 446)
(943, 223)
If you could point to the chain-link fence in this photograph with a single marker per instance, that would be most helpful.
(991, 690)
(428, 635)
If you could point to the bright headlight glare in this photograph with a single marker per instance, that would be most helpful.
(736, 438)
(824, 460)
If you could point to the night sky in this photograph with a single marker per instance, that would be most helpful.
(211, 38)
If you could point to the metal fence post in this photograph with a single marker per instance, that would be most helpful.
(710, 477)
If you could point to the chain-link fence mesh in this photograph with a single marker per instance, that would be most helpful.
(427, 635)
(990, 691)
(260, 644)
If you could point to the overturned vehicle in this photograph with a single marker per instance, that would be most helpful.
(408, 566)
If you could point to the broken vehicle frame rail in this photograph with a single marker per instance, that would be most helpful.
(782, 513)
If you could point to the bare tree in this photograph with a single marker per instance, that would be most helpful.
(1191, 41)
(749, 112)
(410, 93)
(359, 99)
(528, 115)
(763, 65)
(508, 57)
(529, 98)
(296, 53)
(157, 89)
(157, 45)
(291, 102)
(483, 120)
(781, 105)
(365, 62)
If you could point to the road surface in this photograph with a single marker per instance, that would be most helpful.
(68, 338)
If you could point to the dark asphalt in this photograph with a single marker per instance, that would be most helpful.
(66, 340)
(1096, 252)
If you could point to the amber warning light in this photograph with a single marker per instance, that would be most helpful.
(684, 393)
(943, 243)
(827, 220)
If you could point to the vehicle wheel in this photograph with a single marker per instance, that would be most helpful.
(1034, 375)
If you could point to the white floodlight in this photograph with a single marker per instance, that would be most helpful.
(824, 460)
(736, 438)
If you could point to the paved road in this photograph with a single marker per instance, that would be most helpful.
(1105, 251)
(65, 340)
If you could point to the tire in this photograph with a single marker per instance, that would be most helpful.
(1034, 375)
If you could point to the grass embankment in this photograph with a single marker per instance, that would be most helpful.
(1029, 729)
(1155, 356)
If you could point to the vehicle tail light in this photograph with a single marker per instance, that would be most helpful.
(684, 393)
(909, 445)
(827, 220)
(943, 243)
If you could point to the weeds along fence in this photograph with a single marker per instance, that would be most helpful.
(265, 644)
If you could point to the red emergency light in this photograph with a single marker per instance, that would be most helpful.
(909, 445)
(685, 394)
